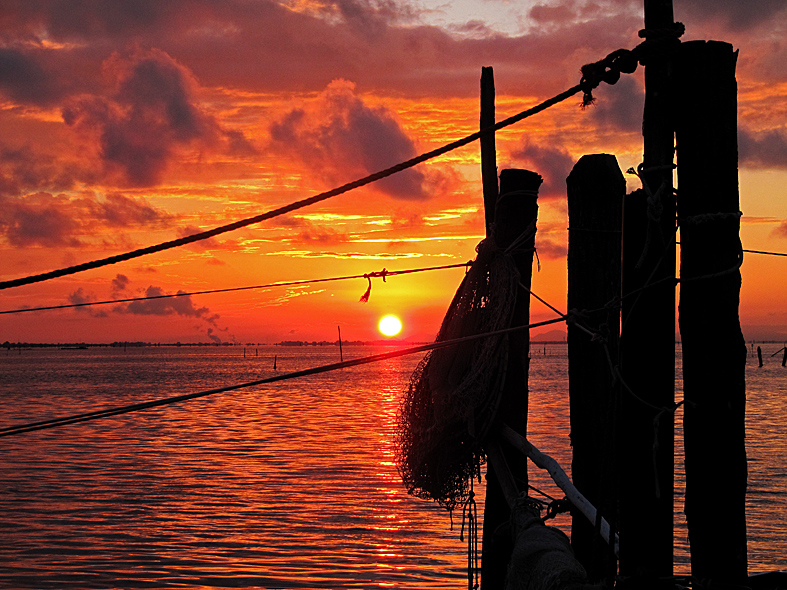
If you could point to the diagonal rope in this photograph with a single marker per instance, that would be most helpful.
(297, 204)
(384, 273)
(98, 414)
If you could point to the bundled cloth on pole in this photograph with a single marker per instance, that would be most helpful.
(454, 393)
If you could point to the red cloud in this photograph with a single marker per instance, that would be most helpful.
(343, 138)
(43, 219)
(151, 113)
(553, 163)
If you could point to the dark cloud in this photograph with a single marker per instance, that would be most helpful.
(552, 13)
(621, 106)
(273, 46)
(23, 79)
(43, 219)
(72, 20)
(117, 210)
(343, 139)
(80, 297)
(738, 15)
(552, 163)
(183, 306)
(766, 149)
(215, 338)
(119, 283)
(269, 46)
(550, 249)
(39, 220)
(22, 169)
(151, 113)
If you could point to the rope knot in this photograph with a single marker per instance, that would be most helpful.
(365, 297)
(556, 507)
(674, 31)
(574, 316)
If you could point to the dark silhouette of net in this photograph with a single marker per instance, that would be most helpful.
(454, 393)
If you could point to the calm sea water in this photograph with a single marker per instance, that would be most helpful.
(292, 484)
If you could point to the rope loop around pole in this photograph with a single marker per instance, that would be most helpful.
(673, 32)
(698, 219)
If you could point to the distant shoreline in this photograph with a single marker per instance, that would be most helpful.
(285, 343)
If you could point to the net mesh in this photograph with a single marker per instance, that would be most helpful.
(453, 394)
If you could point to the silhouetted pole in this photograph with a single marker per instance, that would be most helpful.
(595, 201)
(515, 215)
(341, 354)
(647, 342)
(759, 356)
(488, 153)
(714, 351)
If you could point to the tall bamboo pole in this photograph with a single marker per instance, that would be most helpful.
(488, 154)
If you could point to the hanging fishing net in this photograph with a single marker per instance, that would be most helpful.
(454, 393)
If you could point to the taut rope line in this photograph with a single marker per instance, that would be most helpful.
(384, 273)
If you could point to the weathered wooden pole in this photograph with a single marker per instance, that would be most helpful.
(647, 342)
(515, 218)
(596, 188)
(488, 153)
(714, 351)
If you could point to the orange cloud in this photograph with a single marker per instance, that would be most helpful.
(150, 113)
(342, 138)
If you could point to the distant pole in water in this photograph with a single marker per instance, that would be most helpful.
(274, 362)
(244, 352)
(759, 355)
(341, 355)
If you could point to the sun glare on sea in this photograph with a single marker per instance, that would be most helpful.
(390, 325)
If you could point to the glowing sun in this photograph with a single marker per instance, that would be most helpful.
(390, 325)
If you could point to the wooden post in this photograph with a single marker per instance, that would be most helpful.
(516, 213)
(596, 188)
(341, 354)
(647, 341)
(488, 154)
(714, 351)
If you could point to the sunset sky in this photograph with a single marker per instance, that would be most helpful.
(126, 124)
